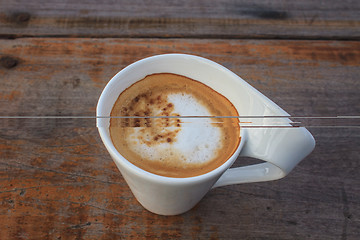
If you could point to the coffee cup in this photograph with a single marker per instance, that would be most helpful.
(272, 140)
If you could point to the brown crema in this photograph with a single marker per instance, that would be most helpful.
(163, 138)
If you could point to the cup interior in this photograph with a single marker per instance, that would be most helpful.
(247, 100)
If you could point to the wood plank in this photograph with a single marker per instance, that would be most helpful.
(303, 77)
(57, 181)
(192, 19)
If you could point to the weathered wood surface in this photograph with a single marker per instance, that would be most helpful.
(179, 18)
(58, 182)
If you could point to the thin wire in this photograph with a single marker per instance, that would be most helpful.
(127, 117)
(243, 124)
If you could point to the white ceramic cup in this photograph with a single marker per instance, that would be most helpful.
(281, 148)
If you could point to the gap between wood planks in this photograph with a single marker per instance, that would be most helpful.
(190, 36)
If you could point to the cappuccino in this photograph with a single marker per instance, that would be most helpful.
(164, 143)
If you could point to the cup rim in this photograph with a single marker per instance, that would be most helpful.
(118, 158)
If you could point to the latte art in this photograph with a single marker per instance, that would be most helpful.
(174, 147)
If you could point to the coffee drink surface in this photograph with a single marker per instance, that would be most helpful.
(174, 147)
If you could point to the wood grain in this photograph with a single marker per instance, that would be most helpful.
(192, 19)
(58, 182)
(303, 77)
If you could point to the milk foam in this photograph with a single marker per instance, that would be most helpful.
(174, 147)
(197, 140)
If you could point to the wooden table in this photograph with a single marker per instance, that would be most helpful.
(57, 181)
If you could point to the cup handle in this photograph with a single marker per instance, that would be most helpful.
(281, 149)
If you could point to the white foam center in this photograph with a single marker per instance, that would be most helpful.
(197, 140)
